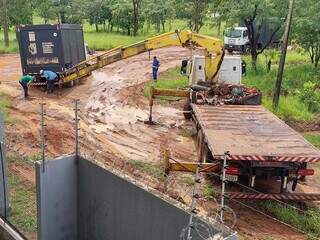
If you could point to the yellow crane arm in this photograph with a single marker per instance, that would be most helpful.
(213, 47)
(213, 52)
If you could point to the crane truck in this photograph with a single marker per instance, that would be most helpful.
(256, 143)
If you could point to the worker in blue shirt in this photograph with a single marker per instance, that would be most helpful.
(51, 77)
(155, 68)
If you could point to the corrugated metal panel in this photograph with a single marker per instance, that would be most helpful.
(252, 133)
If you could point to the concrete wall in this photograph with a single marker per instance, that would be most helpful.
(112, 208)
(78, 200)
(57, 199)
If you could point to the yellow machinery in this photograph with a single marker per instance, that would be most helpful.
(213, 53)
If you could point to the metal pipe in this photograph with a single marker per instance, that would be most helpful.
(194, 200)
(224, 170)
(76, 118)
(253, 178)
(42, 135)
(284, 182)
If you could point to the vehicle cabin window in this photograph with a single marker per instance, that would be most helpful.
(245, 33)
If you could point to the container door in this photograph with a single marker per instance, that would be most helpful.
(40, 49)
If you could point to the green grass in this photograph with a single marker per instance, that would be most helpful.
(290, 109)
(188, 180)
(5, 104)
(308, 222)
(313, 138)
(22, 198)
(209, 191)
(155, 171)
(170, 79)
(298, 70)
(102, 41)
(13, 45)
(22, 204)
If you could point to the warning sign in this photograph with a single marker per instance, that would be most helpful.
(33, 48)
(47, 47)
(32, 37)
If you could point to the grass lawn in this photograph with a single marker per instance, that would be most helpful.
(170, 79)
(297, 72)
(309, 222)
(22, 198)
(13, 47)
(5, 103)
(313, 138)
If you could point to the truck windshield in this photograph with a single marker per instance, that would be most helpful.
(233, 33)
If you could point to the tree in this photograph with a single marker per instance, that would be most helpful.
(5, 23)
(47, 10)
(136, 15)
(194, 10)
(158, 12)
(122, 13)
(93, 12)
(20, 12)
(255, 14)
(307, 29)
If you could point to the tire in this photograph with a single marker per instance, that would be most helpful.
(70, 84)
(230, 51)
(187, 110)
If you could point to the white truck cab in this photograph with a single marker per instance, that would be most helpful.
(236, 39)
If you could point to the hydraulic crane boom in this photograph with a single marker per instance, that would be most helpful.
(213, 53)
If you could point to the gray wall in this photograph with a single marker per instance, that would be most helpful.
(57, 199)
(4, 193)
(79, 200)
(114, 209)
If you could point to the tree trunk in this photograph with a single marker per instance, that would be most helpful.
(282, 61)
(97, 27)
(136, 9)
(62, 17)
(148, 26)
(219, 27)
(5, 24)
(254, 58)
(163, 23)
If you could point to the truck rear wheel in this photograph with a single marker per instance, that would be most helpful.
(187, 110)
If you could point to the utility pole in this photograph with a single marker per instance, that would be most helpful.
(276, 95)
(5, 23)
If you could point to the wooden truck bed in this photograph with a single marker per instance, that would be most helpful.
(251, 133)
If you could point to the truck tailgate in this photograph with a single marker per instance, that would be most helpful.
(252, 133)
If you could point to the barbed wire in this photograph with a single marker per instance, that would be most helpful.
(204, 231)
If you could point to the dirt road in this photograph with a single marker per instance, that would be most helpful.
(113, 109)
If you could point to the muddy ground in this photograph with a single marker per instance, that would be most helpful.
(112, 111)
